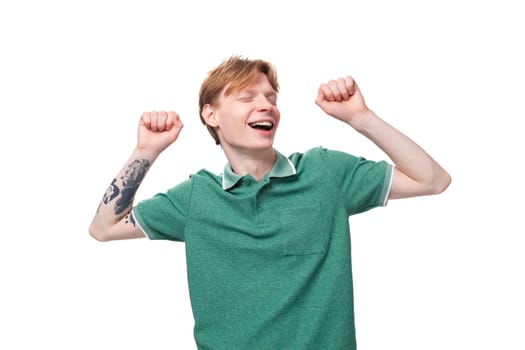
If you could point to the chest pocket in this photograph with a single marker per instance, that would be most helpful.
(303, 231)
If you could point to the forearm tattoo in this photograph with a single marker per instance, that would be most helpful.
(130, 219)
(111, 192)
(131, 181)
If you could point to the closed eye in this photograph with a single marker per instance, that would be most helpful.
(272, 98)
(246, 98)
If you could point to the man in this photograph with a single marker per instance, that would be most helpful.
(267, 242)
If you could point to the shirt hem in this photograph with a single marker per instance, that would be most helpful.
(387, 186)
(137, 222)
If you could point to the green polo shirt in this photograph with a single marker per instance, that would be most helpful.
(269, 262)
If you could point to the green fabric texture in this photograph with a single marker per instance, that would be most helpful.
(269, 263)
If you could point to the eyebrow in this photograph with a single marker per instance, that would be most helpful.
(253, 90)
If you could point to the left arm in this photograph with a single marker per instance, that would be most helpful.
(416, 172)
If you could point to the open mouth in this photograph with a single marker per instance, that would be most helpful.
(262, 125)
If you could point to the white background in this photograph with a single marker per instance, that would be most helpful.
(443, 272)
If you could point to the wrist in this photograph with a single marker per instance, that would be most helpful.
(362, 121)
(145, 153)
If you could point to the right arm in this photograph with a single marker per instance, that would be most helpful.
(113, 220)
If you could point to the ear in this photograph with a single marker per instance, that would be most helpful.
(209, 115)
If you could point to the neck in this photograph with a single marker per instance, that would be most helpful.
(255, 163)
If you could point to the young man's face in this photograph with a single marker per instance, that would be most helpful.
(247, 120)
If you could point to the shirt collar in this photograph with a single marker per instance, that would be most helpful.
(282, 167)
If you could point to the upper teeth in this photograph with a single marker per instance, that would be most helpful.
(267, 124)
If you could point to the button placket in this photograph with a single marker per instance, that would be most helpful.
(261, 221)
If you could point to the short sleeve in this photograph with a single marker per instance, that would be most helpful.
(164, 215)
(363, 184)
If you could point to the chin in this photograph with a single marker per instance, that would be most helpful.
(265, 145)
(251, 144)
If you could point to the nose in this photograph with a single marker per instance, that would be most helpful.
(263, 103)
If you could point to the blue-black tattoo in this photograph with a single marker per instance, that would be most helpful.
(130, 219)
(111, 192)
(130, 183)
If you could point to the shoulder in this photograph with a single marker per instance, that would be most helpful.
(206, 175)
(205, 184)
(320, 156)
(195, 179)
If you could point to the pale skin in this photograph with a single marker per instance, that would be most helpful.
(250, 151)
(156, 131)
(416, 173)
